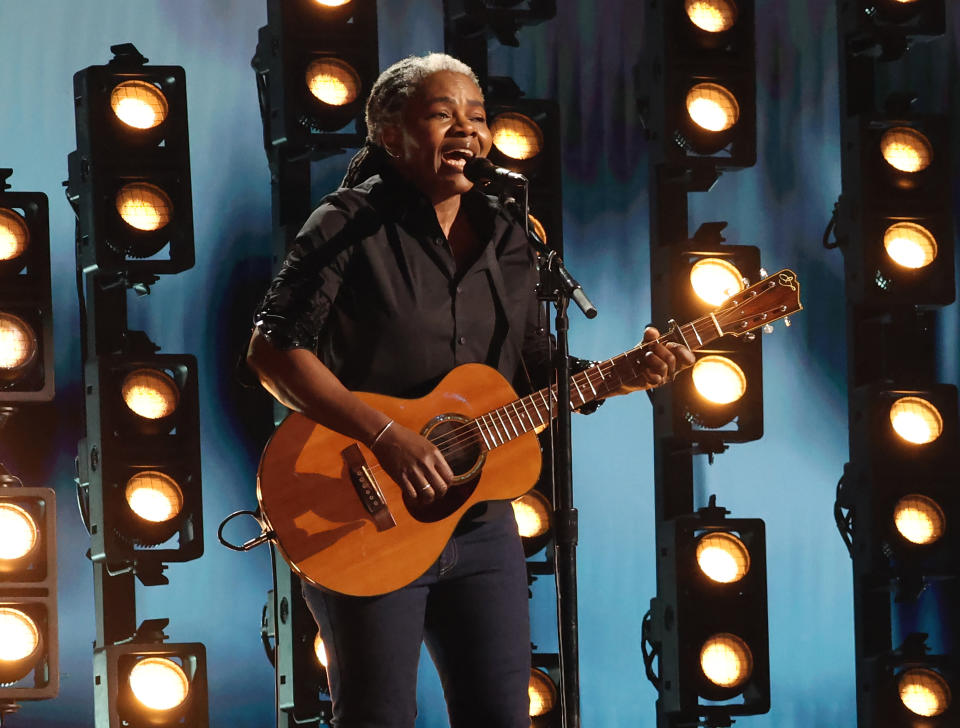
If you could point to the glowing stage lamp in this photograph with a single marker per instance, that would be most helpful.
(333, 82)
(543, 694)
(144, 206)
(332, 3)
(726, 661)
(516, 136)
(533, 512)
(916, 420)
(20, 644)
(150, 393)
(14, 235)
(714, 280)
(139, 105)
(19, 534)
(712, 107)
(722, 557)
(159, 684)
(919, 519)
(906, 149)
(18, 347)
(320, 651)
(154, 508)
(712, 16)
(910, 245)
(149, 682)
(924, 692)
(718, 380)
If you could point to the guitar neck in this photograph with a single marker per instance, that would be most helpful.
(536, 410)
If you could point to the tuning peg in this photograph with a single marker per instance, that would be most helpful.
(787, 322)
(750, 337)
(768, 328)
(763, 272)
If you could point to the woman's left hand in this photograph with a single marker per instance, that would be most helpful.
(661, 363)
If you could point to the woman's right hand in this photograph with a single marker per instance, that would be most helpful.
(413, 462)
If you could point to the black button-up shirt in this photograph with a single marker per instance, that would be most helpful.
(372, 287)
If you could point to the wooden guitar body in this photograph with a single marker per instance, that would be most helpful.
(323, 527)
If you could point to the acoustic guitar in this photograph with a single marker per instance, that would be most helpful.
(342, 523)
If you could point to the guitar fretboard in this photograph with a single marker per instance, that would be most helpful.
(535, 411)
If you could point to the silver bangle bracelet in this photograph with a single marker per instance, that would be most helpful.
(380, 434)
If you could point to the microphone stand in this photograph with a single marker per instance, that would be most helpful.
(558, 286)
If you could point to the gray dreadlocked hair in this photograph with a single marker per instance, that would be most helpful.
(388, 99)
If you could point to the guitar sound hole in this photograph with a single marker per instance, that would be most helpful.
(459, 443)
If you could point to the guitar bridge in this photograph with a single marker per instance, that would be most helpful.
(368, 491)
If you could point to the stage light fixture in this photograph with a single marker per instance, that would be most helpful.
(721, 398)
(713, 16)
(158, 683)
(149, 682)
(910, 245)
(333, 82)
(516, 135)
(916, 420)
(712, 107)
(726, 660)
(29, 654)
(150, 393)
(144, 206)
(332, 3)
(26, 310)
(723, 557)
(715, 280)
(890, 24)
(19, 534)
(713, 662)
(906, 149)
(718, 379)
(141, 461)
(130, 175)
(526, 139)
(18, 346)
(919, 519)
(533, 514)
(900, 482)
(923, 692)
(894, 221)
(542, 692)
(316, 63)
(14, 236)
(696, 84)
(139, 104)
(320, 651)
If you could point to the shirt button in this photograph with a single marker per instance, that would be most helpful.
(461, 340)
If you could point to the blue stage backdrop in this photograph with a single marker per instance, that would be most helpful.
(584, 58)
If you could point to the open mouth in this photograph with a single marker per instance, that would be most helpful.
(456, 157)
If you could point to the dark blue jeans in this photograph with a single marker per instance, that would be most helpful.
(471, 609)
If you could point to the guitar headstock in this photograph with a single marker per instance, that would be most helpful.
(766, 301)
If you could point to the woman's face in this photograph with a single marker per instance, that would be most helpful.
(443, 125)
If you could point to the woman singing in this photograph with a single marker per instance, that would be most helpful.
(402, 274)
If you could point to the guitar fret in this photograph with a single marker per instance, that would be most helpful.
(537, 410)
(696, 333)
(586, 376)
(509, 421)
(546, 403)
(494, 432)
(506, 434)
(522, 402)
(519, 421)
(583, 400)
(715, 323)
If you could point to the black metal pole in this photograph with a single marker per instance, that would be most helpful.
(565, 528)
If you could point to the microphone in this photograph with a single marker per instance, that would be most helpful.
(481, 169)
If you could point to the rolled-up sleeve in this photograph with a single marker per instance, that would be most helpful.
(297, 304)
